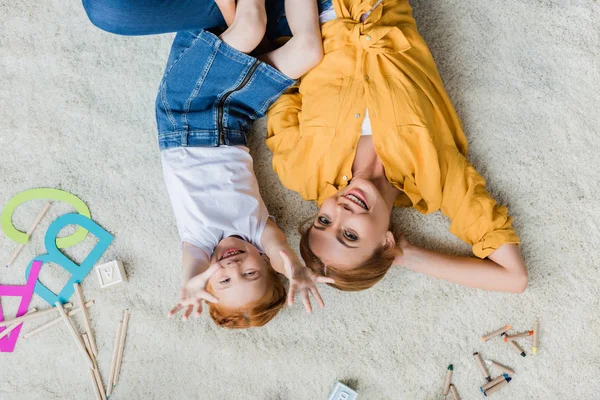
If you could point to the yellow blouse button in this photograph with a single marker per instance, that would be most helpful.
(368, 38)
(357, 115)
(345, 177)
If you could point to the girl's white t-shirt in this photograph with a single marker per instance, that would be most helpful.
(214, 194)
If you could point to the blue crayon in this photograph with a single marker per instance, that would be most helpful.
(497, 387)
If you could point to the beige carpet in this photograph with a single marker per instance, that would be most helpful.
(76, 112)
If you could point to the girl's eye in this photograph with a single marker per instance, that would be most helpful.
(323, 221)
(224, 281)
(250, 273)
(350, 236)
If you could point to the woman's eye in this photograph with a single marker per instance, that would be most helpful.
(250, 273)
(224, 281)
(350, 236)
(323, 221)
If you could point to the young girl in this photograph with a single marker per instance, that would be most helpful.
(371, 127)
(210, 94)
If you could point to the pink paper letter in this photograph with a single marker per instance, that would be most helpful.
(7, 344)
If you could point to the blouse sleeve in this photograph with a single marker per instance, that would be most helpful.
(476, 217)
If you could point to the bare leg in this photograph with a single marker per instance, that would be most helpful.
(305, 49)
(227, 8)
(248, 27)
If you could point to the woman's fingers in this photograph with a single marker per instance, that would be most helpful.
(317, 297)
(187, 312)
(324, 279)
(306, 301)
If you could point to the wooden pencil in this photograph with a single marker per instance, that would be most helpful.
(55, 321)
(121, 346)
(32, 315)
(10, 328)
(97, 375)
(86, 318)
(113, 364)
(75, 334)
(34, 225)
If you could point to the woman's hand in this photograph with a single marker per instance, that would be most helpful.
(193, 293)
(304, 280)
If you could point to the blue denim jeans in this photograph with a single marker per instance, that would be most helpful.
(211, 93)
(149, 17)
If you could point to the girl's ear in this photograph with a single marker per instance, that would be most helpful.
(390, 240)
(266, 258)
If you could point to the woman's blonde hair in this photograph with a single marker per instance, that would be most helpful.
(256, 314)
(360, 277)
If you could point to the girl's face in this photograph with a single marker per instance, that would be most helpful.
(351, 225)
(243, 277)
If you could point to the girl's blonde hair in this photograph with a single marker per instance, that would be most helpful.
(256, 314)
(360, 277)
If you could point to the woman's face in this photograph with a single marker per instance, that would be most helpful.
(243, 276)
(351, 225)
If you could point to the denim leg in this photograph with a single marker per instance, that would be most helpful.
(148, 17)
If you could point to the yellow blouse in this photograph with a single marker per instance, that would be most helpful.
(383, 64)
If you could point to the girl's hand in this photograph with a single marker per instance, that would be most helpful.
(193, 293)
(303, 279)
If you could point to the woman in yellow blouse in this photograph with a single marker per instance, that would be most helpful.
(378, 69)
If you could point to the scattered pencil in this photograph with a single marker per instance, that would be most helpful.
(455, 395)
(482, 367)
(113, 364)
(96, 371)
(516, 336)
(536, 328)
(121, 346)
(56, 321)
(75, 334)
(33, 315)
(448, 379)
(34, 225)
(493, 382)
(497, 387)
(502, 368)
(7, 330)
(497, 332)
(516, 347)
(86, 318)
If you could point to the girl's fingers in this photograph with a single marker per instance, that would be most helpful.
(306, 301)
(324, 279)
(209, 297)
(198, 308)
(291, 295)
(188, 312)
(175, 310)
(317, 297)
(211, 271)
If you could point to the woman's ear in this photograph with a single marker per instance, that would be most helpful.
(390, 240)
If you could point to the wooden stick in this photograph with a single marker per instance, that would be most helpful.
(93, 379)
(121, 346)
(99, 383)
(75, 334)
(32, 315)
(113, 364)
(86, 318)
(55, 321)
(36, 222)
(10, 328)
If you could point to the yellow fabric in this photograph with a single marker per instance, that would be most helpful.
(383, 64)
